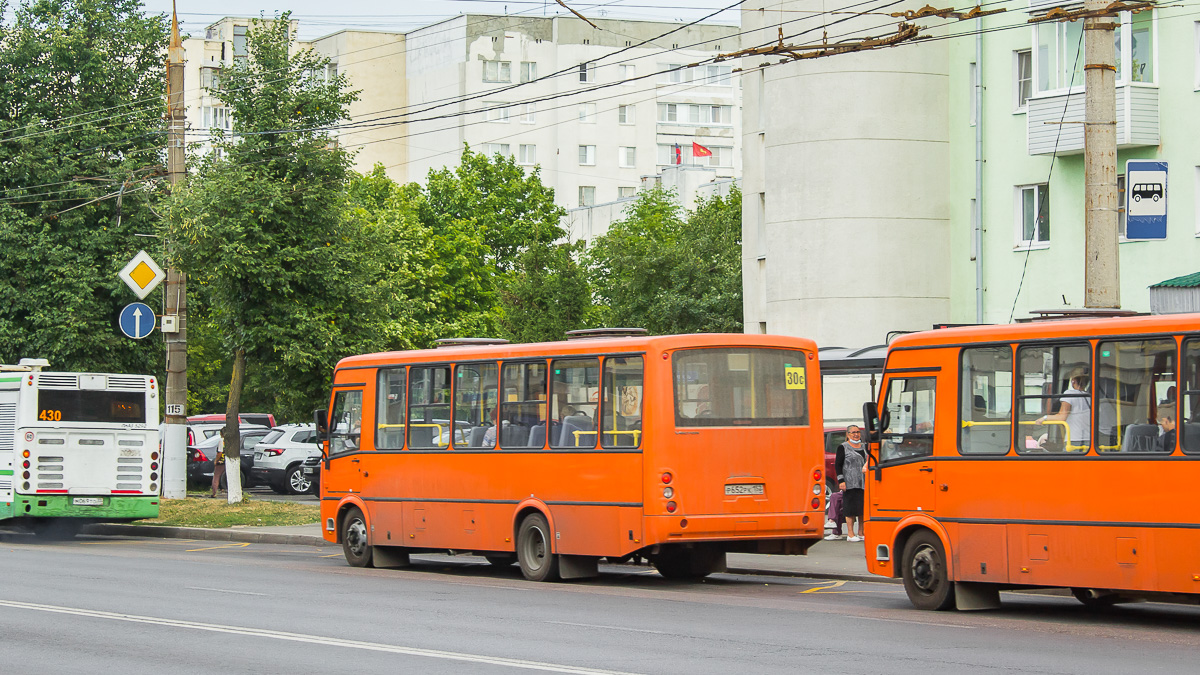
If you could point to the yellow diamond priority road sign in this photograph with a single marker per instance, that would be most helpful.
(142, 275)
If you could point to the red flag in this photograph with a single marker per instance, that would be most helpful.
(700, 151)
(678, 154)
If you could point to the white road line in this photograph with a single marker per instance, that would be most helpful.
(223, 590)
(596, 625)
(315, 639)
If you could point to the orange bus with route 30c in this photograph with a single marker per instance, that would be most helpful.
(554, 455)
(1049, 454)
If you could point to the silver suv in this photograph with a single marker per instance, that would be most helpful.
(277, 458)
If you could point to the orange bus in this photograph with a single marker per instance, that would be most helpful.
(554, 455)
(1049, 454)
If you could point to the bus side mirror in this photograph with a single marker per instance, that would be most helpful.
(321, 421)
(871, 421)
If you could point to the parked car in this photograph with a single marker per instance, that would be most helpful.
(834, 436)
(262, 419)
(312, 470)
(202, 454)
(278, 456)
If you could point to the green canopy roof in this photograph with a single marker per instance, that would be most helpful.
(1186, 281)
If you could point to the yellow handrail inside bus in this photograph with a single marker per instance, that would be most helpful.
(636, 433)
(577, 433)
(970, 423)
(437, 438)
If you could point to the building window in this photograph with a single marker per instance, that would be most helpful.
(216, 117)
(1138, 55)
(528, 113)
(1022, 78)
(528, 71)
(627, 157)
(674, 73)
(627, 72)
(1033, 215)
(495, 111)
(497, 71)
(528, 155)
(718, 76)
(626, 192)
(587, 155)
(490, 149)
(681, 153)
(625, 114)
(1058, 60)
(210, 78)
(691, 113)
(587, 113)
(587, 72)
(239, 42)
(587, 195)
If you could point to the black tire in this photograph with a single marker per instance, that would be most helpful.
(535, 548)
(280, 488)
(1137, 198)
(356, 544)
(1084, 595)
(501, 559)
(295, 482)
(926, 579)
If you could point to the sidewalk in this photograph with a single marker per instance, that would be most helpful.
(838, 560)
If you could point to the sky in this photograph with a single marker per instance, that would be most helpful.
(321, 17)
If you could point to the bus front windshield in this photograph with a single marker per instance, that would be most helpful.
(740, 387)
(105, 407)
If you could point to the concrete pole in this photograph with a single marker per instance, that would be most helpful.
(174, 481)
(1102, 274)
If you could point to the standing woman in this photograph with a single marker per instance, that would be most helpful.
(849, 462)
(218, 466)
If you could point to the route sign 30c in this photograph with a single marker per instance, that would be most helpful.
(137, 320)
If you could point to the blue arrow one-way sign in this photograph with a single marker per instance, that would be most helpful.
(137, 320)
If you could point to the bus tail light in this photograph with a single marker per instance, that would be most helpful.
(671, 506)
(816, 475)
(816, 488)
(668, 492)
(666, 478)
(816, 502)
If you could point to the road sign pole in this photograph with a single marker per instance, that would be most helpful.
(175, 440)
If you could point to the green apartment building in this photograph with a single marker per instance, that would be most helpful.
(1016, 176)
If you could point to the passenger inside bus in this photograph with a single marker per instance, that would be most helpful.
(1075, 410)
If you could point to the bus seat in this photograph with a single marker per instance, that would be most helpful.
(476, 438)
(514, 435)
(537, 436)
(1139, 438)
(420, 437)
(570, 426)
(1191, 437)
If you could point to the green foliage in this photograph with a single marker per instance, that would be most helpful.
(547, 295)
(669, 272)
(81, 108)
(262, 234)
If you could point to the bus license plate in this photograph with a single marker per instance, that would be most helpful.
(88, 501)
(744, 489)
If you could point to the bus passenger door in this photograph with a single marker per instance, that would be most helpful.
(344, 470)
(903, 478)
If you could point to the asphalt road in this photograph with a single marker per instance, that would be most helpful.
(127, 605)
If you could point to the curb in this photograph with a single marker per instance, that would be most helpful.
(165, 532)
(207, 534)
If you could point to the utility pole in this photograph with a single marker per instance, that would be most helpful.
(1101, 271)
(174, 481)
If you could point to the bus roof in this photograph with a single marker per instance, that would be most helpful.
(1058, 328)
(573, 347)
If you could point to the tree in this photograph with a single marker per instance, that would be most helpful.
(81, 123)
(547, 295)
(260, 231)
(669, 271)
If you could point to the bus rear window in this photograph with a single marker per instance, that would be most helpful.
(117, 407)
(740, 387)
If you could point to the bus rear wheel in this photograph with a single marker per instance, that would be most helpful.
(355, 543)
(926, 579)
(534, 549)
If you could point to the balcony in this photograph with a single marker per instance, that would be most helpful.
(1137, 120)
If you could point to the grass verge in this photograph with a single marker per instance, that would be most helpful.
(198, 511)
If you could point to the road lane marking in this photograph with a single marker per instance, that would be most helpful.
(316, 639)
(334, 555)
(217, 548)
(596, 625)
(818, 589)
(915, 623)
(223, 590)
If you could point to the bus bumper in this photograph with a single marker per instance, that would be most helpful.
(66, 506)
(790, 533)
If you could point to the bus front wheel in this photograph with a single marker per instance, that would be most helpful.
(355, 543)
(926, 579)
(534, 549)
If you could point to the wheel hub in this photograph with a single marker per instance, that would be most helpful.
(925, 569)
(356, 537)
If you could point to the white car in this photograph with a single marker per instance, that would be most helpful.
(277, 458)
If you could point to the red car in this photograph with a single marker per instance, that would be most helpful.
(834, 436)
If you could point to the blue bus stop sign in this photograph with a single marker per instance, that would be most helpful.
(137, 320)
(1145, 199)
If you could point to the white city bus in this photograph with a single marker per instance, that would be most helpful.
(76, 447)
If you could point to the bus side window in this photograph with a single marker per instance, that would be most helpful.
(1135, 395)
(474, 404)
(575, 394)
(621, 413)
(1044, 381)
(1189, 422)
(523, 408)
(346, 421)
(429, 407)
(911, 402)
(985, 397)
(391, 409)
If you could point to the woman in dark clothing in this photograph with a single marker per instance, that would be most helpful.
(849, 462)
